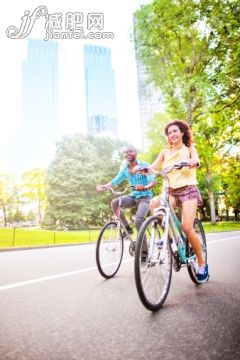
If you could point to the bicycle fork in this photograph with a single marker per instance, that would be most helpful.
(165, 222)
(171, 233)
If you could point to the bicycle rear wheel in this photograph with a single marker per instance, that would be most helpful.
(109, 250)
(193, 265)
(152, 277)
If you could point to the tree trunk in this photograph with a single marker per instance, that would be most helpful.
(212, 207)
(39, 211)
(192, 96)
(235, 214)
(227, 214)
(4, 216)
(189, 112)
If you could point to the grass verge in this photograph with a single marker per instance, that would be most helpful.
(38, 237)
(10, 237)
(221, 226)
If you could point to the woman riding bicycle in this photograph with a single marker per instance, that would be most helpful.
(183, 190)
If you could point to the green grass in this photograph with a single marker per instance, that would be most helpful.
(10, 237)
(30, 237)
(221, 226)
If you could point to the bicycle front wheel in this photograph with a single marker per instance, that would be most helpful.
(152, 277)
(193, 265)
(109, 250)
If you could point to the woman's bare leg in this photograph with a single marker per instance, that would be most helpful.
(189, 210)
(155, 203)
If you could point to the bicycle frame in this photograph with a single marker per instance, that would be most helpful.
(120, 224)
(174, 231)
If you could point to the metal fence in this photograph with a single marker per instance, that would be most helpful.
(27, 237)
(32, 237)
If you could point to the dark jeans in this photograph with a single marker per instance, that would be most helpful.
(127, 201)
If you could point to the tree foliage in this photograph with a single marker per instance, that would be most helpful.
(168, 43)
(191, 51)
(34, 189)
(156, 135)
(230, 185)
(9, 197)
(80, 164)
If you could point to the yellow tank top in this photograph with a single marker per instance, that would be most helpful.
(183, 177)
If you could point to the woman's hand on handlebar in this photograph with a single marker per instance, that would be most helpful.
(191, 163)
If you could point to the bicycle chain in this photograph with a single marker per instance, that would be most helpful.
(176, 262)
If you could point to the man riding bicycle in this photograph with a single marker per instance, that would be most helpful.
(140, 184)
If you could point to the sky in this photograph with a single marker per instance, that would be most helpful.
(118, 18)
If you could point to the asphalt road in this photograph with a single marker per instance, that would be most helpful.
(55, 305)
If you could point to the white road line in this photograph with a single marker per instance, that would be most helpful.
(52, 277)
(58, 276)
(220, 240)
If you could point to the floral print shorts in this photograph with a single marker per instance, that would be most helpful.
(184, 193)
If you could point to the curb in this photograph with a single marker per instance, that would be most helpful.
(43, 246)
(76, 244)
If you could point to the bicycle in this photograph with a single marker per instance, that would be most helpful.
(110, 243)
(167, 247)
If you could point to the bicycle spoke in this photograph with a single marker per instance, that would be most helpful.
(193, 265)
(153, 278)
(109, 250)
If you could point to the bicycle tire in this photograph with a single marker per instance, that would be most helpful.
(153, 279)
(192, 266)
(109, 250)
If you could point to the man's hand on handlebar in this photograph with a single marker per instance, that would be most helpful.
(140, 170)
(140, 188)
(101, 187)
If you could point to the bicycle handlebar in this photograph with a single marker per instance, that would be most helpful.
(162, 173)
(114, 191)
(167, 169)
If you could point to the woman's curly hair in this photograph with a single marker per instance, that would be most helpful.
(184, 128)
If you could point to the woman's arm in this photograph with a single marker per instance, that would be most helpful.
(156, 165)
(194, 158)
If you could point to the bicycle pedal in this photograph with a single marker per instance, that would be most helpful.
(132, 248)
(159, 243)
(159, 211)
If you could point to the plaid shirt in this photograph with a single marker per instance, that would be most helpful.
(135, 179)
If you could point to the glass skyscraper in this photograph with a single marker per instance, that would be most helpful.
(150, 102)
(33, 144)
(99, 90)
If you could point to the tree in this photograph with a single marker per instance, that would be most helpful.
(215, 135)
(34, 189)
(80, 164)
(9, 196)
(169, 44)
(194, 60)
(230, 185)
(221, 22)
(156, 135)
